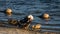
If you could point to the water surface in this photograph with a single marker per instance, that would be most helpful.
(21, 8)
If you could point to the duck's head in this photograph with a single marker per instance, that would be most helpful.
(30, 18)
(8, 11)
(46, 16)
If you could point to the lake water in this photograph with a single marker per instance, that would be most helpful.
(21, 8)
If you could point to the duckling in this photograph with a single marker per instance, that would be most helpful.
(44, 16)
(26, 21)
(37, 26)
(13, 22)
(9, 12)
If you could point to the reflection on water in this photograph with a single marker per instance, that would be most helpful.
(22, 8)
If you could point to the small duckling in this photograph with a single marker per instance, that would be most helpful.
(26, 21)
(37, 26)
(44, 16)
(13, 22)
(9, 12)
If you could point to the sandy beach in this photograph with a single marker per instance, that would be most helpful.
(5, 30)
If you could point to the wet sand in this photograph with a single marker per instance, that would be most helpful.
(6, 30)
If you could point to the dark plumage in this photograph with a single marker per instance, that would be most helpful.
(21, 23)
(26, 21)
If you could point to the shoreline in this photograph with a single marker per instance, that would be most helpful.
(6, 30)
